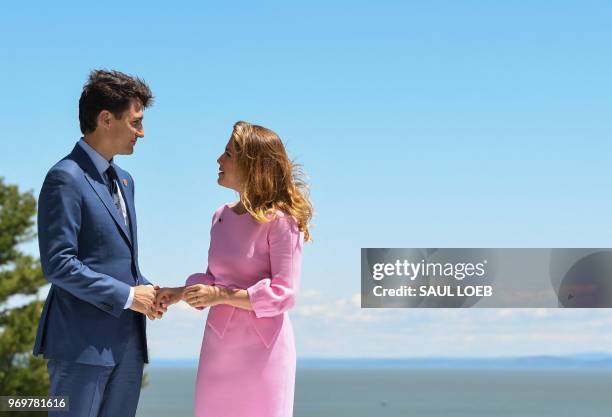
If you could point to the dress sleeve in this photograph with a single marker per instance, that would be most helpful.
(200, 278)
(275, 295)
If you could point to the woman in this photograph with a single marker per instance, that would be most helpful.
(247, 360)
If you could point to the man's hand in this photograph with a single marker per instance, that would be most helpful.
(144, 298)
(156, 311)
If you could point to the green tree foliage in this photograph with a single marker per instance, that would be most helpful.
(20, 275)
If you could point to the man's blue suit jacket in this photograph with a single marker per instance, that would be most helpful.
(91, 259)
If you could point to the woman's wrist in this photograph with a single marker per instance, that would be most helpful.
(233, 297)
(221, 295)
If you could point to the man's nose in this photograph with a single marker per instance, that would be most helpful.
(140, 133)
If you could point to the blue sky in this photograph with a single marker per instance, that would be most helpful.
(420, 124)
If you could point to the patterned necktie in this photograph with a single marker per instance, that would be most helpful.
(113, 188)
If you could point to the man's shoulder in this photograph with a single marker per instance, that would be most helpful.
(65, 176)
(66, 167)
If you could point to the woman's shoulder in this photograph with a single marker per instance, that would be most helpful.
(278, 215)
(221, 208)
(218, 212)
(280, 219)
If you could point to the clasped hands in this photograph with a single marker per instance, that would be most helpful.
(154, 301)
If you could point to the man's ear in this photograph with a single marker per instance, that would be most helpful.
(104, 119)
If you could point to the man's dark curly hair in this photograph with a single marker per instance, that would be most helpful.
(112, 91)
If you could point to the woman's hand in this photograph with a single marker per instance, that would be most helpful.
(201, 296)
(167, 296)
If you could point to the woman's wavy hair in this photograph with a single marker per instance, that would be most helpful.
(270, 181)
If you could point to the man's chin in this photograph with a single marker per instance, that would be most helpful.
(127, 151)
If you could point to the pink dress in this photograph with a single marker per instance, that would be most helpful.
(247, 361)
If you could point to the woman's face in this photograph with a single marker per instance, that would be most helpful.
(229, 176)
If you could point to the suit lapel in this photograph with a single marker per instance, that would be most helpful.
(99, 186)
(129, 201)
(102, 192)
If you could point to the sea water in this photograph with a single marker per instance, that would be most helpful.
(329, 392)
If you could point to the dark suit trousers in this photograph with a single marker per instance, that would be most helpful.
(100, 391)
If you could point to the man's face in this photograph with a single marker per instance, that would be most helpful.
(124, 132)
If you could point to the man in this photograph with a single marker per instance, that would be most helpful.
(93, 327)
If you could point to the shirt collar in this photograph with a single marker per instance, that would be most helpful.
(98, 160)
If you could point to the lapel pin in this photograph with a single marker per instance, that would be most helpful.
(125, 182)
